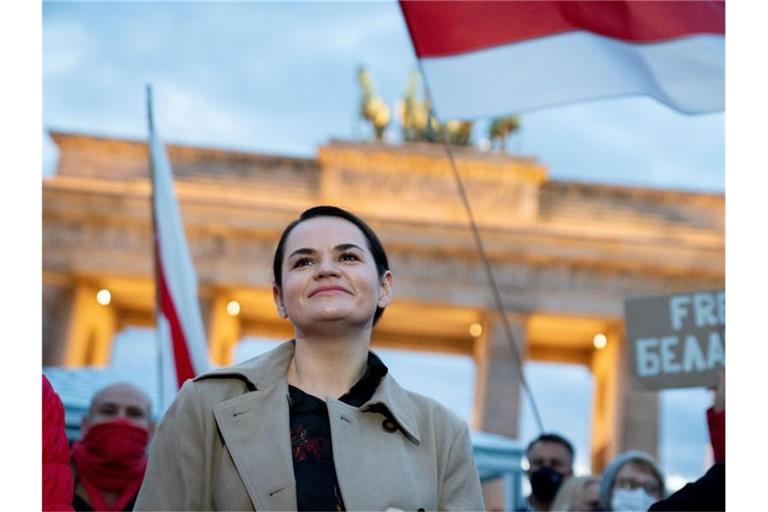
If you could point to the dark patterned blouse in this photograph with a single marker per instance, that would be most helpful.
(317, 487)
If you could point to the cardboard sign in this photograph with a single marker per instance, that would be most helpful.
(676, 341)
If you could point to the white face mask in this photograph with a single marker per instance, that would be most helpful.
(635, 500)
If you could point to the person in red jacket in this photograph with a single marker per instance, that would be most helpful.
(716, 420)
(57, 478)
(708, 492)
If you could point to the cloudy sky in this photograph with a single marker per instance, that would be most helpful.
(280, 78)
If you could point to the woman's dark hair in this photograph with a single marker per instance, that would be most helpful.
(374, 244)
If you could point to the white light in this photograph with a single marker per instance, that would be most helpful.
(103, 297)
(233, 308)
(475, 329)
(600, 341)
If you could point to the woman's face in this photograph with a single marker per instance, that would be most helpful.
(329, 276)
(591, 499)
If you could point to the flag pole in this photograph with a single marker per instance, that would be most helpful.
(484, 258)
(155, 246)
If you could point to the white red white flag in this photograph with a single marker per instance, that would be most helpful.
(180, 331)
(496, 58)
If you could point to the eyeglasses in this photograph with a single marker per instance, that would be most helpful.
(627, 483)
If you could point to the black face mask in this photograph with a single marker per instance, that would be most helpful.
(544, 483)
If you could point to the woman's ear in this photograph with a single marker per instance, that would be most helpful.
(386, 290)
(277, 296)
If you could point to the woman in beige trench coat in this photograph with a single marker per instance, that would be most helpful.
(317, 423)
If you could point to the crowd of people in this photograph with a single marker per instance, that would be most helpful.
(632, 481)
(105, 468)
(319, 423)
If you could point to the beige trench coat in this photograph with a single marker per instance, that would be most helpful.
(224, 444)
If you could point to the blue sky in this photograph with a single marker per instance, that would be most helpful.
(280, 78)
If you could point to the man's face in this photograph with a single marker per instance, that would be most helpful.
(552, 454)
(119, 402)
(632, 475)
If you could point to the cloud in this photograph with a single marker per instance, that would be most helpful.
(290, 70)
(65, 45)
(631, 140)
(177, 104)
(293, 77)
(356, 27)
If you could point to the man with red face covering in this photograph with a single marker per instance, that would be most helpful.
(108, 463)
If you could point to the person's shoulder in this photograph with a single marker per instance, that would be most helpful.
(227, 382)
(266, 366)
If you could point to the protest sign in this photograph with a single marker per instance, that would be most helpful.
(676, 340)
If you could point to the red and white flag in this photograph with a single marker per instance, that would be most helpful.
(496, 58)
(180, 331)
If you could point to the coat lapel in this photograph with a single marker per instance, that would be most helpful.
(348, 446)
(364, 452)
(256, 430)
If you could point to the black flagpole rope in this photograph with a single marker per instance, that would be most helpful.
(486, 264)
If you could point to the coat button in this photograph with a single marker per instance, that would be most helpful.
(421, 510)
(389, 425)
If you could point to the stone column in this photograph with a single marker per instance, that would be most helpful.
(497, 390)
(640, 422)
(57, 311)
(623, 418)
(223, 330)
(91, 329)
(607, 405)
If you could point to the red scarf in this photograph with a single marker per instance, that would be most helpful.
(111, 457)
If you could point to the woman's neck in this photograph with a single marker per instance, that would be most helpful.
(328, 367)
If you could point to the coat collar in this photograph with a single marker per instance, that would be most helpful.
(268, 369)
(241, 420)
(262, 371)
(395, 399)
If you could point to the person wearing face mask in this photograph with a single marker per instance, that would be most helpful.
(631, 482)
(550, 461)
(108, 463)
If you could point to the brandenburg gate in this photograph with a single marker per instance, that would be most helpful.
(565, 256)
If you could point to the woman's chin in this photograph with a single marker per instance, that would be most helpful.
(334, 318)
